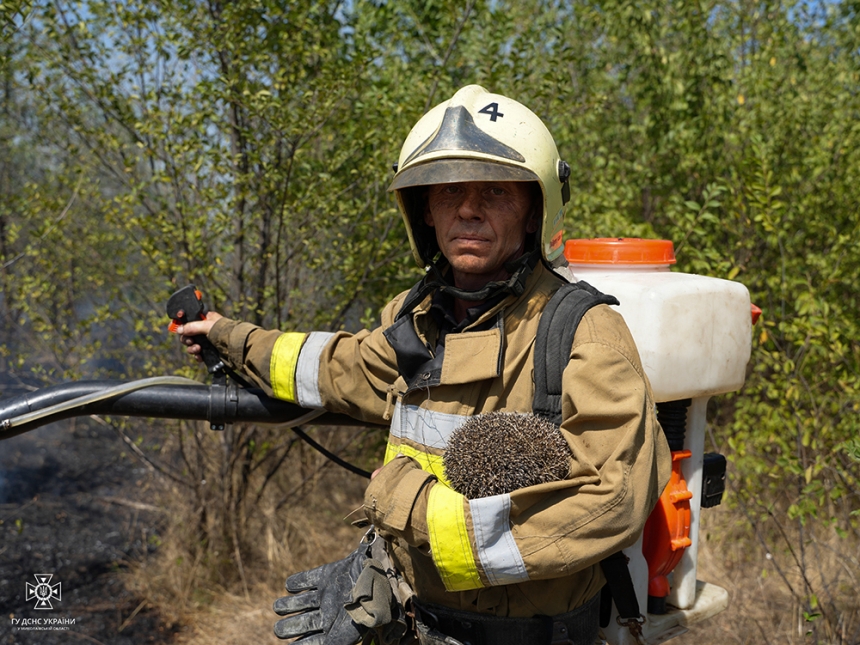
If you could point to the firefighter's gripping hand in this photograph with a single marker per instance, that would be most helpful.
(316, 612)
(191, 332)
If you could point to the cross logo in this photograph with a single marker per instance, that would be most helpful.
(44, 591)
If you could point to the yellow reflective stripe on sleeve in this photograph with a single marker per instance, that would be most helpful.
(430, 463)
(282, 368)
(390, 453)
(449, 540)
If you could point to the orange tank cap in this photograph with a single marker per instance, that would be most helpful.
(619, 250)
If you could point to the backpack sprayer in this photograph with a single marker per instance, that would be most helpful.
(694, 336)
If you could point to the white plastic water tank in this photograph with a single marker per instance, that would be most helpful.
(693, 334)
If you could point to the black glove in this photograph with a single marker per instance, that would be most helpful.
(321, 595)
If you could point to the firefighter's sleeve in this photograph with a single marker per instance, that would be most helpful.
(619, 466)
(341, 372)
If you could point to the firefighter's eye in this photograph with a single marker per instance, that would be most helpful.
(446, 189)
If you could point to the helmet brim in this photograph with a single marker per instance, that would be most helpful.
(452, 171)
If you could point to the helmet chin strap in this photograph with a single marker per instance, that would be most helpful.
(520, 269)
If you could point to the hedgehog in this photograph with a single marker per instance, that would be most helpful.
(499, 452)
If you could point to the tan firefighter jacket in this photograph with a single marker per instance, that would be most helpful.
(536, 550)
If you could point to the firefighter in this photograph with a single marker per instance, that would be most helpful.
(481, 190)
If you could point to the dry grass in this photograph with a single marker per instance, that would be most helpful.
(762, 608)
(199, 588)
(233, 620)
(185, 592)
(198, 585)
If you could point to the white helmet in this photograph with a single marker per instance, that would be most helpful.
(478, 136)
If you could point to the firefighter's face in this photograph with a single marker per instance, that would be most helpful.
(480, 225)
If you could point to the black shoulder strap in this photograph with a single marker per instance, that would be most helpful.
(556, 329)
(554, 339)
(619, 587)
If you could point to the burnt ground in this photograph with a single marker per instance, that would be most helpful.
(76, 506)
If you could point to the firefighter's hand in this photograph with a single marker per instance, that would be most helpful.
(317, 607)
(188, 331)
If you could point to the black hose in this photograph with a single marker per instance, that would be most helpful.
(329, 454)
(216, 404)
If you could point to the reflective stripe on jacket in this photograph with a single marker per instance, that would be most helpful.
(536, 550)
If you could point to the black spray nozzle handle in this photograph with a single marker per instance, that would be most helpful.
(187, 305)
